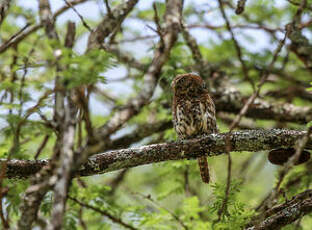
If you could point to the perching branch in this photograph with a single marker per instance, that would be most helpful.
(247, 140)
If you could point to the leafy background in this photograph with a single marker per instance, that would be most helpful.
(166, 195)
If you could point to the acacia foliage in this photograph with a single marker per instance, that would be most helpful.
(98, 85)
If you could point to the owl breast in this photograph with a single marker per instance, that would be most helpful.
(193, 118)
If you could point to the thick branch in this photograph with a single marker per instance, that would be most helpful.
(286, 213)
(46, 18)
(230, 100)
(109, 23)
(212, 145)
(172, 19)
(63, 172)
(300, 46)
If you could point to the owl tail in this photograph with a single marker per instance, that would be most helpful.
(203, 168)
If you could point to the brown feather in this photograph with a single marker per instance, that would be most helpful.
(193, 112)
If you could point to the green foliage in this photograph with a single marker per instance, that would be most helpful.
(46, 204)
(84, 69)
(236, 214)
(14, 198)
(166, 195)
(148, 14)
(179, 61)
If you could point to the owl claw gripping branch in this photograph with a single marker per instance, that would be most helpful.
(193, 112)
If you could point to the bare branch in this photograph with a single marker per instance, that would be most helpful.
(66, 7)
(201, 65)
(103, 213)
(4, 6)
(79, 15)
(247, 140)
(42, 183)
(291, 161)
(32, 198)
(300, 46)
(172, 26)
(286, 213)
(228, 99)
(109, 23)
(46, 18)
(42, 145)
(15, 39)
(242, 112)
(63, 172)
(109, 11)
(236, 44)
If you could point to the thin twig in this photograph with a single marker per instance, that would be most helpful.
(85, 24)
(302, 143)
(150, 199)
(286, 213)
(41, 146)
(15, 39)
(287, 167)
(9, 41)
(236, 44)
(239, 117)
(157, 22)
(103, 213)
(109, 11)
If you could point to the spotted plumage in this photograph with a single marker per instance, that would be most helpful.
(193, 112)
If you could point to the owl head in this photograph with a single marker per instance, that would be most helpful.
(189, 84)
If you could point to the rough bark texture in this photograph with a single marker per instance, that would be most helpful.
(64, 171)
(109, 23)
(40, 184)
(247, 140)
(230, 100)
(96, 149)
(4, 6)
(286, 213)
(171, 29)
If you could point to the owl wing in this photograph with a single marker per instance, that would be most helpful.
(208, 113)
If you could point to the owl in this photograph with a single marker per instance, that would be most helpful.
(193, 112)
